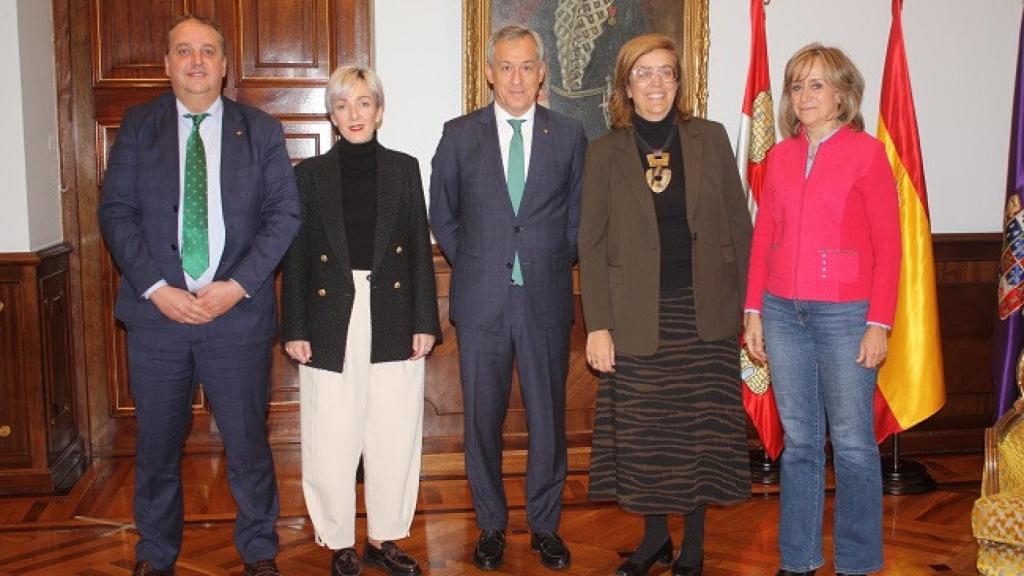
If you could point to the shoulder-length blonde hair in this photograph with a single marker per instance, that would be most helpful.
(839, 72)
(620, 106)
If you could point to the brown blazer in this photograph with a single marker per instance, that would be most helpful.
(620, 251)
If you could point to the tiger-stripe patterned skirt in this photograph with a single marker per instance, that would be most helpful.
(670, 431)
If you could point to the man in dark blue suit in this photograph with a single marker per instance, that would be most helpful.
(199, 205)
(504, 206)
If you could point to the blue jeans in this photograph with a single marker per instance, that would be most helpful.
(812, 350)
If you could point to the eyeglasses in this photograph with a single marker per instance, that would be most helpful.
(646, 74)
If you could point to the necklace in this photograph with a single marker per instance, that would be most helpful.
(658, 172)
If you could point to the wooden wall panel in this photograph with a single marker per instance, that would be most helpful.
(56, 333)
(284, 41)
(307, 137)
(352, 39)
(128, 40)
(965, 269)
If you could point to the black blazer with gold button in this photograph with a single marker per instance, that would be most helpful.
(317, 288)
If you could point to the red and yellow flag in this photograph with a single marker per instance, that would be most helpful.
(757, 136)
(910, 382)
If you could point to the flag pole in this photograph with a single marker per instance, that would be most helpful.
(755, 139)
(900, 476)
(763, 470)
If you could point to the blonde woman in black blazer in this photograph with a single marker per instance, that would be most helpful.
(360, 315)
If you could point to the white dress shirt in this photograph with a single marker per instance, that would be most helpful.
(210, 132)
(505, 136)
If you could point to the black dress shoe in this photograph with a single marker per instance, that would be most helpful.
(682, 570)
(640, 566)
(553, 552)
(345, 562)
(490, 550)
(392, 558)
(262, 568)
(143, 568)
(791, 573)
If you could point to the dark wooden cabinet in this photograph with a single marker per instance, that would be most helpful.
(41, 447)
(15, 450)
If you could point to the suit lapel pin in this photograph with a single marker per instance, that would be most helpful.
(238, 132)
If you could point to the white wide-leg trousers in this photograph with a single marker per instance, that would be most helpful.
(373, 411)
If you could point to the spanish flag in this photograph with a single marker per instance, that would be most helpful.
(910, 382)
(756, 138)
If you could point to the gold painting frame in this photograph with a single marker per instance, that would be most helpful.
(476, 27)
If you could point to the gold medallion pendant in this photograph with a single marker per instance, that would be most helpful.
(659, 174)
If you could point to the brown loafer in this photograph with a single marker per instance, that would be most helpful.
(345, 562)
(392, 558)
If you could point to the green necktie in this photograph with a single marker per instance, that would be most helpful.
(516, 179)
(195, 234)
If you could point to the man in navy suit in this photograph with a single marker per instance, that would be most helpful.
(199, 205)
(504, 206)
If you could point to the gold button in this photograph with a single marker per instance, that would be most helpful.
(5, 431)
(322, 292)
(323, 257)
(398, 250)
(398, 285)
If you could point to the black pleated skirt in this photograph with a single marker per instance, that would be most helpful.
(670, 431)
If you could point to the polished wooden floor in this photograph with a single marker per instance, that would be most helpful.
(88, 532)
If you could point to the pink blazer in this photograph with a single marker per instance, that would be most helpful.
(833, 236)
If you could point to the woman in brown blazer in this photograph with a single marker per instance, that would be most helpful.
(664, 239)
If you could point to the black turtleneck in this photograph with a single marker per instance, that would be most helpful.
(359, 198)
(669, 205)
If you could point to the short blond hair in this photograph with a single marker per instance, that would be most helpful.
(344, 77)
(839, 72)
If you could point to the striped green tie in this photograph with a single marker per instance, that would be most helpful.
(516, 179)
(195, 233)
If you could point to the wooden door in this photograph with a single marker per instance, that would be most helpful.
(110, 56)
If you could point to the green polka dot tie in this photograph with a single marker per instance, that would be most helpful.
(195, 233)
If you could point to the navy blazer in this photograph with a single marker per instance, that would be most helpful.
(138, 213)
(479, 232)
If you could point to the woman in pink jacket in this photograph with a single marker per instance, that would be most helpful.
(821, 295)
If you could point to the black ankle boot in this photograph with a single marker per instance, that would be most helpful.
(640, 566)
